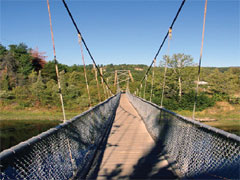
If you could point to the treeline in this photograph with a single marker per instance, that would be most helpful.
(216, 84)
(28, 80)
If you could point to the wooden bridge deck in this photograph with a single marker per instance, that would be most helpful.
(131, 153)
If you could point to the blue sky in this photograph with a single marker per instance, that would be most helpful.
(127, 32)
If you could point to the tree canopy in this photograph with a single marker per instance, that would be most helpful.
(27, 80)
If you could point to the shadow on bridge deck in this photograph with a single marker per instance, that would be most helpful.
(130, 152)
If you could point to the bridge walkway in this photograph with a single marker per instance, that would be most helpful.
(131, 152)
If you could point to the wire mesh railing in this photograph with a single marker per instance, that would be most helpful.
(199, 150)
(63, 152)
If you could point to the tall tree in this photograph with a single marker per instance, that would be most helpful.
(182, 67)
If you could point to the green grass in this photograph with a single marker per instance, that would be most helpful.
(227, 116)
(18, 126)
(35, 115)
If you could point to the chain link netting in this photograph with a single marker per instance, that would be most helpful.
(63, 151)
(199, 150)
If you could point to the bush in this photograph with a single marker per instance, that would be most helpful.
(234, 100)
(186, 102)
(7, 95)
(220, 96)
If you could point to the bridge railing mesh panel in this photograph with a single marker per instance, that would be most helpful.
(199, 150)
(48, 155)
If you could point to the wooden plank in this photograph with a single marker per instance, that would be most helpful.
(128, 143)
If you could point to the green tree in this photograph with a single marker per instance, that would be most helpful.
(37, 89)
(181, 73)
(5, 84)
(25, 65)
(3, 52)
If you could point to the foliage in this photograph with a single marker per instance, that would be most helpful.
(31, 84)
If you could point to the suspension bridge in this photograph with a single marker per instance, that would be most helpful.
(125, 137)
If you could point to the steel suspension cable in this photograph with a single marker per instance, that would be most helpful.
(200, 60)
(165, 68)
(78, 31)
(84, 68)
(164, 39)
(59, 85)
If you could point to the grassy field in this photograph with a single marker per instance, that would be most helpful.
(20, 125)
(17, 126)
(227, 116)
(42, 114)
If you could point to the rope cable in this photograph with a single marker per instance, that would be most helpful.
(200, 60)
(164, 39)
(104, 91)
(84, 67)
(59, 87)
(78, 31)
(56, 63)
(99, 95)
(145, 85)
(140, 91)
(154, 66)
(165, 68)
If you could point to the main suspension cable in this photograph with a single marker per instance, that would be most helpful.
(164, 39)
(78, 31)
(200, 60)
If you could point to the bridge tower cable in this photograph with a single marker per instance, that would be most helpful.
(200, 61)
(164, 39)
(166, 63)
(84, 43)
(59, 87)
(84, 68)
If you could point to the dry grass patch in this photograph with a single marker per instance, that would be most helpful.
(227, 116)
